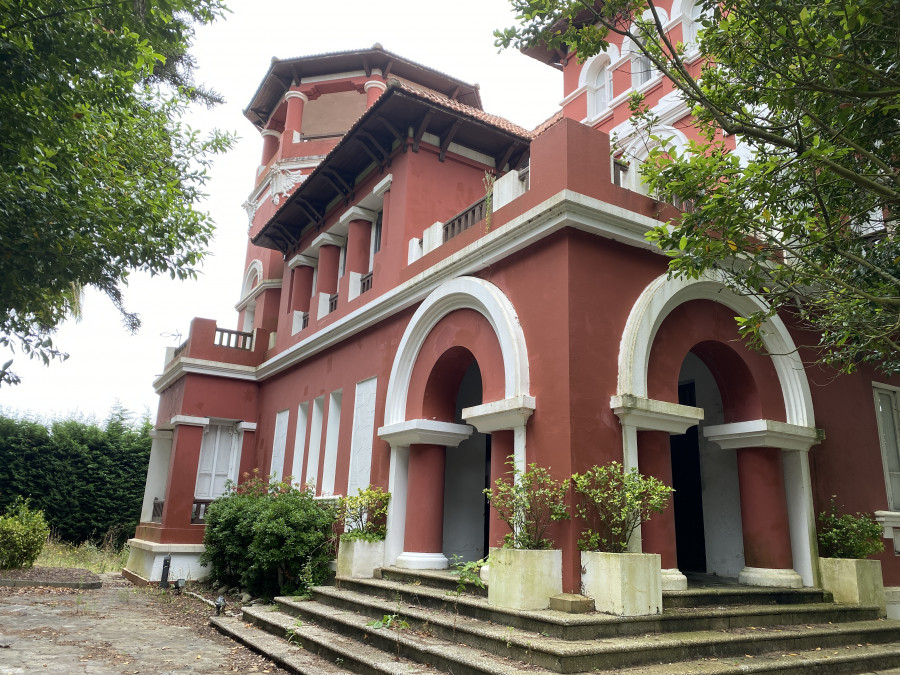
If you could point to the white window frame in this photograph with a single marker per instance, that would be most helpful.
(889, 453)
(234, 438)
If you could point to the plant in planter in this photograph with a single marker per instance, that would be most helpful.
(526, 572)
(844, 543)
(614, 502)
(361, 547)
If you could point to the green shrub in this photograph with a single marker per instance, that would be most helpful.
(846, 536)
(268, 538)
(88, 479)
(616, 502)
(364, 514)
(23, 532)
(528, 505)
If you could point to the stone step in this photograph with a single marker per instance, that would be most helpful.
(445, 580)
(567, 656)
(309, 649)
(862, 658)
(743, 595)
(594, 625)
(337, 634)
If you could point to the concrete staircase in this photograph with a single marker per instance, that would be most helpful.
(415, 622)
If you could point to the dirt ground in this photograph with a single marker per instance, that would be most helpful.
(116, 629)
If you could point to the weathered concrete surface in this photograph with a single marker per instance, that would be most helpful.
(114, 629)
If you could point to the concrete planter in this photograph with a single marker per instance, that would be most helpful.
(626, 584)
(853, 582)
(359, 558)
(521, 579)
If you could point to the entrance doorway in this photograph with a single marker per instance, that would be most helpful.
(708, 531)
(467, 473)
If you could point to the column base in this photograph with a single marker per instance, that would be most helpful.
(774, 578)
(422, 561)
(673, 580)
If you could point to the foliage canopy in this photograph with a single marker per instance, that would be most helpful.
(848, 536)
(98, 175)
(804, 214)
(22, 534)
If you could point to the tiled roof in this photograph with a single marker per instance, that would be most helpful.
(480, 115)
(547, 123)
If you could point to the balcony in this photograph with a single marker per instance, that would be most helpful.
(365, 283)
(332, 303)
(198, 511)
(465, 219)
(234, 339)
(208, 342)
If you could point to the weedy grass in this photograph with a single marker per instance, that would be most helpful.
(99, 558)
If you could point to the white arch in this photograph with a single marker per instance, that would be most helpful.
(594, 63)
(664, 294)
(254, 273)
(460, 293)
(637, 150)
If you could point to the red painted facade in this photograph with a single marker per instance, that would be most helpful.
(551, 298)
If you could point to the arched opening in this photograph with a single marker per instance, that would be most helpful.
(706, 502)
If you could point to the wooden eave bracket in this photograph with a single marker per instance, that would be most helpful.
(423, 127)
(445, 143)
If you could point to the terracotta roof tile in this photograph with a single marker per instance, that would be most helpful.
(547, 123)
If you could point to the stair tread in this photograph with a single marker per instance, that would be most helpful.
(772, 661)
(593, 618)
(422, 642)
(562, 647)
(351, 649)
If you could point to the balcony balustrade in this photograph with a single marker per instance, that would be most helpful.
(198, 511)
(365, 283)
(233, 338)
(465, 219)
(332, 303)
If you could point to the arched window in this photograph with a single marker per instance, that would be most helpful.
(642, 70)
(692, 23)
(637, 150)
(596, 78)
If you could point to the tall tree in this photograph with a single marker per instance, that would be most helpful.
(98, 175)
(804, 214)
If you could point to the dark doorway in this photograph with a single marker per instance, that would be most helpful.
(688, 499)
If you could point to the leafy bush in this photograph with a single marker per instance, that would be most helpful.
(846, 536)
(528, 505)
(268, 538)
(365, 514)
(88, 479)
(616, 502)
(23, 532)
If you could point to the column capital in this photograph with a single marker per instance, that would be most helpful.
(647, 414)
(376, 84)
(763, 434)
(424, 432)
(507, 413)
(293, 93)
(270, 132)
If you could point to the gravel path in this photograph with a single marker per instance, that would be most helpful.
(116, 629)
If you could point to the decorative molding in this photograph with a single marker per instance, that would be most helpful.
(155, 547)
(162, 434)
(763, 434)
(283, 181)
(246, 426)
(303, 260)
(270, 132)
(424, 432)
(770, 578)
(293, 93)
(356, 213)
(376, 84)
(383, 185)
(256, 291)
(422, 561)
(507, 413)
(647, 414)
(189, 421)
(186, 366)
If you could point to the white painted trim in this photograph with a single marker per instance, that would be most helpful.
(325, 239)
(376, 84)
(664, 294)
(763, 434)
(673, 580)
(564, 209)
(185, 365)
(162, 434)
(357, 213)
(270, 132)
(770, 578)
(155, 547)
(398, 482)
(432, 237)
(189, 421)
(291, 93)
(259, 289)
(246, 426)
(647, 414)
(460, 293)
(333, 76)
(383, 185)
(461, 150)
(507, 413)
(423, 561)
(425, 432)
(575, 94)
(301, 260)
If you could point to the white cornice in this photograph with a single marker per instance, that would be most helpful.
(189, 421)
(564, 209)
(575, 94)
(184, 365)
(255, 292)
(763, 434)
(300, 260)
(507, 413)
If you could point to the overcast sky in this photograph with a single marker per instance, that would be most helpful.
(107, 364)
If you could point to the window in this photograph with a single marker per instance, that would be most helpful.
(219, 456)
(376, 236)
(601, 91)
(692, 23)
(641, 67)
(886, 408)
